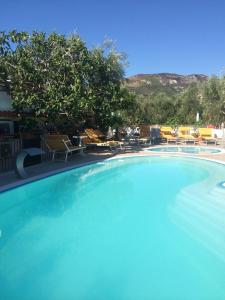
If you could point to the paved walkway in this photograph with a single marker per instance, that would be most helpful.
(8, 179)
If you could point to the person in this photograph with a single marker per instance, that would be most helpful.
(136, 131)
(129, 131)
(110, 133)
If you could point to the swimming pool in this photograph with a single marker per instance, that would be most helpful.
(126, 229)
(185, 149)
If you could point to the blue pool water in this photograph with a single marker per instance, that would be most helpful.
(185, 149)
(137, 228)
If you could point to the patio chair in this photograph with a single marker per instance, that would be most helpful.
(95, 135)
(185, 136)
(61, 144)
(166, 133)
(96, 138)
(219, 134)
(206, 135)
(155, 135)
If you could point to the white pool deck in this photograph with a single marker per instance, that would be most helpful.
(10, 179)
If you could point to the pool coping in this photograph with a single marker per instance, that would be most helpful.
(221, 150)
(173, 154)
(143, 153)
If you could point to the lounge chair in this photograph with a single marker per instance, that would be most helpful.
(155, 135)
(58, 143)
(185, 136)
(219, 134)
(96, 138)
(166, 133)
(95, 134)
(206, 135)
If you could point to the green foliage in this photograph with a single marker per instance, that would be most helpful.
(156, 109)
(173, 121)
(214, 100)
(28, 124)
(163, 107)
(54, 74)
(189, 105)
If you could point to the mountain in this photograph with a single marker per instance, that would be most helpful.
(170, 83)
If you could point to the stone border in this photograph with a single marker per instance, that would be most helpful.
(221, 150)
(169, 154)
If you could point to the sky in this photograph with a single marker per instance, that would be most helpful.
(173, 36)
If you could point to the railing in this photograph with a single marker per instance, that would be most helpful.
(47, 154)
(9, 147)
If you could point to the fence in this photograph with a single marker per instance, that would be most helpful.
(11, 145)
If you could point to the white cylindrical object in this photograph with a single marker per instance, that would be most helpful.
(197, 117)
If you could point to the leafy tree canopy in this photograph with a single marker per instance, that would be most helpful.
(53, 74)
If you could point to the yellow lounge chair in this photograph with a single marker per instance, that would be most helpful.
(206, 135)
(166, 133)
(185, 135)
(96, 138)
(95, 135)
(58, 143)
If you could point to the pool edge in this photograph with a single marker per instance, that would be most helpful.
(11, 186)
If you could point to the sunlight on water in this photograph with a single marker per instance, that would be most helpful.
(137, 228)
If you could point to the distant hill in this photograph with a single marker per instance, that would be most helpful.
(147, 84)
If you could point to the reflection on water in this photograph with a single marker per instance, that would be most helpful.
(51, 197)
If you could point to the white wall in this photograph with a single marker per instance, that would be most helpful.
(5, 101)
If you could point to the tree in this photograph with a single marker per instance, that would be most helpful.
(222, 97)
(54, 74)
(111, 103)
(189, 105)
(213, 100)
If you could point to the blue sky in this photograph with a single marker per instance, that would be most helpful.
(157, 36)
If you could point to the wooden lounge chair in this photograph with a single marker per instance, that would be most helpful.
(96, 138)
(185, 136)
(166, 133)
(206, 135)
(58, 143)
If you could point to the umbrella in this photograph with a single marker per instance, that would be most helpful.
(197, 117)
